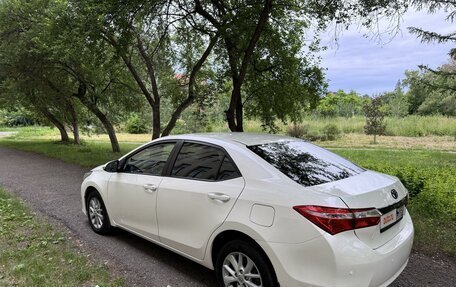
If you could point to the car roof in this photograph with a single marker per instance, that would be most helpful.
(239, 137)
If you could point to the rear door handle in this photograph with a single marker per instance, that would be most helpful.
(150, 188)
(221, 197)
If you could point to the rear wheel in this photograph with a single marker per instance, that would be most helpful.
(242, 264)
(97, 214)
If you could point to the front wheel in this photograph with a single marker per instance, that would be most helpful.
(97, 214)
(242, 264)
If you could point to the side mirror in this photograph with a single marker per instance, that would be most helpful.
(112, 166)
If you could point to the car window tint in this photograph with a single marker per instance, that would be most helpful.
(199, 161)
(306, 163)
(227, 170)
(150, 161)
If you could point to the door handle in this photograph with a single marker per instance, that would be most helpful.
(219, 197)
(150, 188)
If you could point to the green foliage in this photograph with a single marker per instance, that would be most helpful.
(34, 253)
(331, 132)
(395, 103)
(374, 118)
(17, 117)
(136, 125)
(432, 92)
(342, 104)
(417, 90)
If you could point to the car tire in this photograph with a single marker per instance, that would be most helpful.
(97, 214)
(247, 256)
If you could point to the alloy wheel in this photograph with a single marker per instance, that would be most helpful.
(96, 212)
(240, 271)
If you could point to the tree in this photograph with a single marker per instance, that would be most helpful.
(341, 104)
(433, 6)
(43, 44)
(432, 93)
(417, 89)
(252, 56)
(20, 81)
(426, 36)
(374, 118)
(395, 103)
(148, 41)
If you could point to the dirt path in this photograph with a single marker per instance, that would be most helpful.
(51, 187)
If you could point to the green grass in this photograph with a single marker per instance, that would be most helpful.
(90, 154)
(34, 253)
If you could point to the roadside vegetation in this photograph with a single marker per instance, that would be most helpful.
(34, 253)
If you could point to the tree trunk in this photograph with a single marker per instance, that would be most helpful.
(74, 124)
(100, 115)
(58, 124)
(107, 125)
(234, 114)
(156, 120)
(175, 116)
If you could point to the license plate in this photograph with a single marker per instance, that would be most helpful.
(390, 218)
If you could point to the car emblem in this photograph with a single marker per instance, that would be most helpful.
(394, 193)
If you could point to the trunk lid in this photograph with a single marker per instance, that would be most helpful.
(372, 189)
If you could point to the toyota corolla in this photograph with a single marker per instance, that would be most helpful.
(260, 210)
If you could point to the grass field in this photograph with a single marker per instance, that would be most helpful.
(410, 126)
(34, 253)
(426, 166)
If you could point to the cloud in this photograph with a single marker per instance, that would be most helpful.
(369, 67)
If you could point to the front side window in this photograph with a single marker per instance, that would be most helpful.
(198, 161)
(149, 161)
(306, 163)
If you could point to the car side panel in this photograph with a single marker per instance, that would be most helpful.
(186, 214)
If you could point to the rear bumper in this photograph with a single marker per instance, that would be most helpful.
(341, 260)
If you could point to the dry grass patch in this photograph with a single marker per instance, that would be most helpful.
(445, 143)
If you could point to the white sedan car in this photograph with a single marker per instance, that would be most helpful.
(261, 210)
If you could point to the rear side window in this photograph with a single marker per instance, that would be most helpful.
(306, 163)
(198, 161)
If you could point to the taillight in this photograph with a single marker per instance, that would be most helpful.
(335, 220)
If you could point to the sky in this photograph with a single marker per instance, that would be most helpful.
(363, 64)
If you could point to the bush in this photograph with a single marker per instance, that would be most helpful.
(136, 125)
(331, 132)
(432, 190)
(17, 118)
(297, 130)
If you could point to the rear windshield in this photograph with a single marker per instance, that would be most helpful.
(306, 163)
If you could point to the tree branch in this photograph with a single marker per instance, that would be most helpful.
(191, 87)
